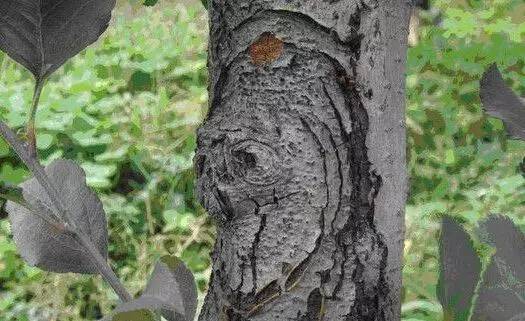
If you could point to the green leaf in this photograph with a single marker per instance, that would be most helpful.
(12, 175)
(137, 315)
(12, 193)
(150, 3)
(44, 141)
(99, 175)
(460, 23)
(174, 219)
(205, 4)
(4, 148)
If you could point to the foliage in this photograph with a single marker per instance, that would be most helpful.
(40, 235)
(495, 292)
(128, 107)
(461, 161)
(60, 224)
(42, 36)
(113, 109)
(499, 101)
(459, 271)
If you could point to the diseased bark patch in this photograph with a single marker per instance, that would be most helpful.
(266, 49)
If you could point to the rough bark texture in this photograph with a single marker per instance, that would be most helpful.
(301, 160)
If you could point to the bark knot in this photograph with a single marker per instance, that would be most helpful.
(266, 49)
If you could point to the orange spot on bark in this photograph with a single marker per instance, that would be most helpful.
(266, 49)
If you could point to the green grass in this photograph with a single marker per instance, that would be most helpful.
(127, 109)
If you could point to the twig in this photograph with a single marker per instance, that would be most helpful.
(40, 175)
(195, 233)
(30, 128)
(149, 215)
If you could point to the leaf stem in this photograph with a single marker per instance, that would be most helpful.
(104, 268)
(30, 128)
(41, 176)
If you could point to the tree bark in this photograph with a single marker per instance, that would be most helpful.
(301, 160)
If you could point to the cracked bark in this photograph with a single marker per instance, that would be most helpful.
(301, 160)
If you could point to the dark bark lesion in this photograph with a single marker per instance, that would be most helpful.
(283, 168)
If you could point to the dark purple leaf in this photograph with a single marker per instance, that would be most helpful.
(502, 293)
(43, 34)
(501, 102)
(38, 234)
(460, 269)
(171, 291)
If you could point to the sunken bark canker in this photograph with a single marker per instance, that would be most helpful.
(301, 160)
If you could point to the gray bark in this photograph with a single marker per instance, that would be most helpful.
(301, 160)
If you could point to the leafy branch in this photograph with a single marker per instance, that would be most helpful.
(500, 101)
(62, 215)
(495, 292)
(58, 222)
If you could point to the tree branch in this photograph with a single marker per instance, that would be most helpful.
(30, 160)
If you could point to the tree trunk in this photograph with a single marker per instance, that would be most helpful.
(301, 160)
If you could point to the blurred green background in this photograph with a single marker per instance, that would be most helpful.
(128, 106)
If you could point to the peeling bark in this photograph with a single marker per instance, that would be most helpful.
(301, 159)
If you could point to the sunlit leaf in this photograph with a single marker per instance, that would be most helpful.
(4, 148)
(39, 236)
(12, 174)
(43, 35)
